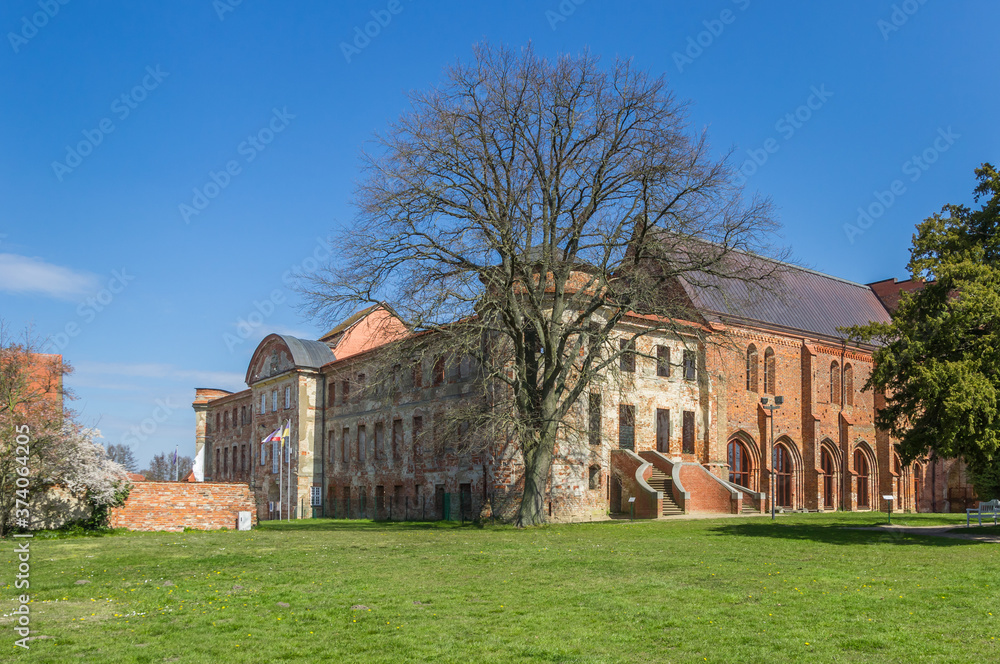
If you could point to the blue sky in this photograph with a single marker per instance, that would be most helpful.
(115, 113)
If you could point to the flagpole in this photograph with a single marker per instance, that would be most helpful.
(288, 437)
(281, 485)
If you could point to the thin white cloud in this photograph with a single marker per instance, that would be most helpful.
(24, 275)
(161, 372)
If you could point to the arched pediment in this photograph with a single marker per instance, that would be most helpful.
(278, 353)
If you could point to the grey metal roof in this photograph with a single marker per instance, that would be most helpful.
(308, 353)
(795, 298)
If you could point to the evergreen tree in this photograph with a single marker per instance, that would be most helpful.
(939, 360)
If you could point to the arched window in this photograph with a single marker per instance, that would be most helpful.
(769, 382)
(848, 385)
(752, 368)
(897, 468)
(826, 463)
(835, 383)
(739, 463)
(783, 476)
(861, 468)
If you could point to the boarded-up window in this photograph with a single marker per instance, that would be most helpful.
(360, 387)
(397, 438)
(362, 444)
(835, 383)
(418, 435)
(690, 365)
(345, 391)
(331, 395)
(345, 445)
(626, 426)
(594, 479)
(663, 361)
(379, 441)
(663, 430)
(848, 385)
(688, 433)
(594, 417)
(626, 361)
(769, 371)
(379, 497)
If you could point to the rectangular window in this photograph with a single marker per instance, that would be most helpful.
(263, 403)
(275, 457)
(379, 497)
(316, 496)
(263, 453)
(331, 448)
(593, 339)
(243, 458)
(288, 398)
(688, 434)
(626, 426)
(594, 418)
(417, 374)
(438, 371)
(663, 430)
(455, 370)
(379, 440)
(288, 450)
(225, 420)
(345, 454)
(626, 361)
(362, 444)
(663, 361)
(418, 429)
(331, 395)
(274, 400)
(690, 365)
(345, 391)
(397, 438)
(360, 386)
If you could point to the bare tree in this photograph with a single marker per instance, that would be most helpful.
(123, 454)
(161, 467)
(525, 208)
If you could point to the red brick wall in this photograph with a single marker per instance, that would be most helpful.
(174, 506)
(707, 495)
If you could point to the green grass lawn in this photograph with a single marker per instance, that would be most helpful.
(719, 590)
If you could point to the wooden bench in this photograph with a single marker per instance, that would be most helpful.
(992, 507)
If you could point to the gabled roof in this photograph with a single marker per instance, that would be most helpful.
(797, 298)
(351, 320)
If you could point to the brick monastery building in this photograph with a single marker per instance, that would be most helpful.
(688, 433)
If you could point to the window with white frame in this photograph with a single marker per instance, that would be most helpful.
(316, 494)
(288, 397)
(275, 457)
(274, 400)
(288, 452)
(263, 453)
(263, 403)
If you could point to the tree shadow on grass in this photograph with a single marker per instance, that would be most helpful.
(367, 525)
(841, 534)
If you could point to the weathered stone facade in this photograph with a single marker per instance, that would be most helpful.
(686, 415)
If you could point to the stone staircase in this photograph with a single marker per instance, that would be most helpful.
(661, 482)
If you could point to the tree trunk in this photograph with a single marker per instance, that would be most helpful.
(537, 463)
